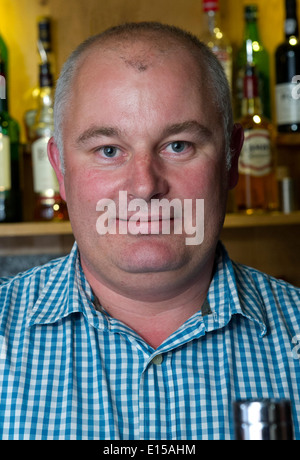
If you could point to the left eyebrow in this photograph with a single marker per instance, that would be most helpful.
(96, 131)
(191, 126)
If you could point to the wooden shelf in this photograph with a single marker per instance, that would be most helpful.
(262, 220)
(289, 140)
(26, 229)
(35, 229)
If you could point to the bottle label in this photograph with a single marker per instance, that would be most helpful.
(44, 177)
(287, 106)
(5, 172)
(256, 155)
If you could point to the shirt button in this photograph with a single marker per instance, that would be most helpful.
(157, 360)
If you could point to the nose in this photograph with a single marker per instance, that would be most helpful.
(147, 177)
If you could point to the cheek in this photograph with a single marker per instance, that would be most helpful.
(204, 182)
(208, 183)
(86, 187)
(215, 197)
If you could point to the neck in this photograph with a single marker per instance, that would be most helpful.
(154, 320)
(252, 32)
(251, 106)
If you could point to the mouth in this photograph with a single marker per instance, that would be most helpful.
(146, 225)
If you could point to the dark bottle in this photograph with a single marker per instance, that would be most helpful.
(253, 51)
(10, 193)
(263, 420)
(287, 59)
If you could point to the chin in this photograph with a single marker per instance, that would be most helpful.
(152, 254)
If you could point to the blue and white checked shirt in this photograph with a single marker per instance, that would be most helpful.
(68, 371)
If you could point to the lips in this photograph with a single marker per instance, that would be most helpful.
(145, 225)
(148, 214)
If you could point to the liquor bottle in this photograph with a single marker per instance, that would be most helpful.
(215, 38)
(48, 202)
(256, 190)
(10, 193)
(253, 51)
(287, 59)
(44, 41)
(263, 420)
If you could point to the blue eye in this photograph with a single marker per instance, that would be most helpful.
(178, 147)
(109, 151)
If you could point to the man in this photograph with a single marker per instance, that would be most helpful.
(139, 334)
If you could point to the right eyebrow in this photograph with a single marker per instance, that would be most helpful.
(191, 126)
(96, 131)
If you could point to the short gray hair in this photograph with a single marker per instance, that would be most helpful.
(156, 33)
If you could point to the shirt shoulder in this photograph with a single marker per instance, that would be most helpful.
(30, 274)
(18, 294)
(276, 298)
(263, 281)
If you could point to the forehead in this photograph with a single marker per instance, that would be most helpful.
(140, 80)
(142, 56)
(141, 64)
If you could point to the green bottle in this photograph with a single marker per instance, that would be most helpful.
(10, 194)
(253, 52)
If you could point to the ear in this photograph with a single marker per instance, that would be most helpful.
(236, 144)
(54, 158)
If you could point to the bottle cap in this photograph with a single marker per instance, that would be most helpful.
(251, 12)
(210, 5)
(263, 419)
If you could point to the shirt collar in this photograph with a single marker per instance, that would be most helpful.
(67, 291)
(232, 292)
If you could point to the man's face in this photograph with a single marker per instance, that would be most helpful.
(151, 131)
